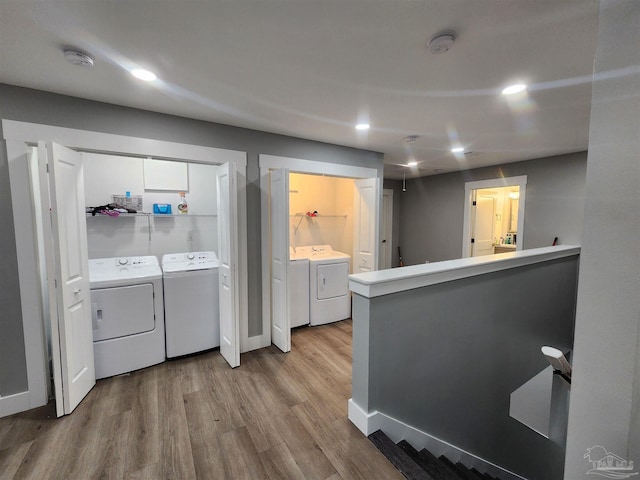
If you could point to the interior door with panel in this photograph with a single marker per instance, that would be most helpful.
(279, 235)
(66, 256)
(483, 225)
(365, 233)
(228, 262)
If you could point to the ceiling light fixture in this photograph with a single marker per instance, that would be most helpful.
(457, 150)
(441, 43)
(513, 89)
(404, 181)
(78, 57)
(363, 126)
(143, 74)
(412, 163)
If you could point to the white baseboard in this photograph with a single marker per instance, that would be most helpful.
(367, 423)
(396, 430)
(16, 403)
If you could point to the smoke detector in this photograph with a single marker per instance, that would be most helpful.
(78, 57)
(441, 43)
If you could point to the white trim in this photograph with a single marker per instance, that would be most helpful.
(15, 403)
(119, 144)
(311, 166)
(366, 422)
(469, 187)
(384, 282)
(18, 135)
(397, 431)
(295, 165)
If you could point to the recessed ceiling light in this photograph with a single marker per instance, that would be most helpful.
(143, 74)
(517, 88)
(412, 163)
(457, 150)
(363, 126)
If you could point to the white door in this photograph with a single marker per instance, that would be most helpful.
(228, 260)
(365, 232)
(387, 225)
(67, 262)
(279, 222)
(484, 214)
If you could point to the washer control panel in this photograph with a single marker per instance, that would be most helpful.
(101, 269)
(188, 261)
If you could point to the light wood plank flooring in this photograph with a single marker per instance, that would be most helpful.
(278, 416)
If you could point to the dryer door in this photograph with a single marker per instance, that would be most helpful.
(121, 311)
(332, 280)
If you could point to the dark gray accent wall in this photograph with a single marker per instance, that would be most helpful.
(36, 106)
(432, 214)
(448, 364)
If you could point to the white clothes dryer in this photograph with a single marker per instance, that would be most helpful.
(191, 302)
(127, 314)
(329, 296)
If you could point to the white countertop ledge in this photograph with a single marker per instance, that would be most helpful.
(393, 280)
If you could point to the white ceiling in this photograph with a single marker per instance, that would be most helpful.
(314, 68)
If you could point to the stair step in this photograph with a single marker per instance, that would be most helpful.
(443, 472)
(468, 474)
(396, 455)
(429, 465)
(483, 476)
(452, 467)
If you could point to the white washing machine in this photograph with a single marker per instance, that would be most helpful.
(127, 314)
(298, 282)
(191, 302)
(329, 297)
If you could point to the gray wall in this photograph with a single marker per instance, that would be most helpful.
(447, 367)
(605, 396)
(41, 107)
(432, 215)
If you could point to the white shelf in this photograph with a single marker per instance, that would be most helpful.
(157, 215)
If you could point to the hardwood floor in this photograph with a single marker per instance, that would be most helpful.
(278, 416)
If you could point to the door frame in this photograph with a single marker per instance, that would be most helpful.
(20, 137)
(469, 187)
(295, 165)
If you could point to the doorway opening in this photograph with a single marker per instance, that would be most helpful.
(494, 216)
(31, 206)
(318, 227)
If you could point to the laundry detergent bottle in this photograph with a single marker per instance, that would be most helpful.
(182, 206)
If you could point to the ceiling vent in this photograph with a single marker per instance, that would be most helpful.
(441, 43)
(78, 57)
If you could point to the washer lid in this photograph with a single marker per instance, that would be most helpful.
(188, 261)
(122, 268)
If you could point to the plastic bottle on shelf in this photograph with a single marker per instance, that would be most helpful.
(182, 206)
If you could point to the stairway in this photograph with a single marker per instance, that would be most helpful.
(422, 465)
